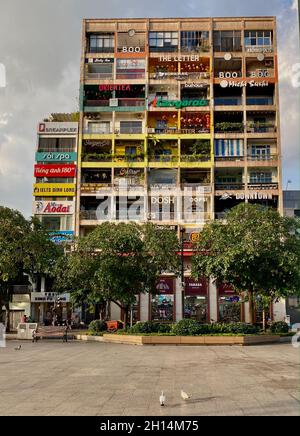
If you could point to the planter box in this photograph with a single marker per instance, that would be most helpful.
(191, 340)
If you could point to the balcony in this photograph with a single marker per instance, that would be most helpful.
(99, 76)
(229, 127)
(88, 215)
(235, 186)
(97, 131)
(118, 104)
(267, 127)
(130, 75)
(229, 158)
(130, 131)
(194, 158)
(163, 158)
(96, 157)
(175, 131)
(263, 158)
(129, 158)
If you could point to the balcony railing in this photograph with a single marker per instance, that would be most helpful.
(101, 49)
(263, 186)
(101, 76)
(128, 158)
(236, 186)
(163, 158)
(92, 188)
(97, 131)
(228, 101)
(88, 215)
(261, 127)
(194, 158)
(101, 103)
(259, 101)
(229, 158)
(206, 187)
(265, 158)
(124, 102)
(130, 131)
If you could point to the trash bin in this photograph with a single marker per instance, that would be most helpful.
(24, 330)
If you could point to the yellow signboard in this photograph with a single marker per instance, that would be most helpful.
(54, 190)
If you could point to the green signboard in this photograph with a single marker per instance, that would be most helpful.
(56, 156)
(178, 104)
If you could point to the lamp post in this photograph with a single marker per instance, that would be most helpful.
(182, 232)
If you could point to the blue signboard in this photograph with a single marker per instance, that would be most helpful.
(61, 236)
(56, 156)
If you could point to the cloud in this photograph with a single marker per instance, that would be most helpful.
(40, 49)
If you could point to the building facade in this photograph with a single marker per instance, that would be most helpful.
(181, 118)
(54, 191)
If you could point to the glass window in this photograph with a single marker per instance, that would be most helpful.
(102, 42)
(162, 307)
(160, 41)
(261, 177)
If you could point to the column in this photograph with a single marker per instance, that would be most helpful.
(178, 299)
(144, 307)
(213, 306)
(43, 284)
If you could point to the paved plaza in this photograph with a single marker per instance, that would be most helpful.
(77, 378)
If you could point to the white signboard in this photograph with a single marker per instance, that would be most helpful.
(53, 207)
(58, 128)
(49, 297)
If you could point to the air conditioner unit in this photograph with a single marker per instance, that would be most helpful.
(151, 130)
(114, 102)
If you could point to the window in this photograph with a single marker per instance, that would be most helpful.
(229, 147)
(56, 144)
(132, 127)
(261, 177)
(102, 127)
(261, 152)
(163, 41)
(198, 41)
(258, 38)
(131, 68)
(102, 43)
(100, 71)
(227, 41)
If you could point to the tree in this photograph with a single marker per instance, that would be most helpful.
(116, 262)
(25, 248)
(255, 250)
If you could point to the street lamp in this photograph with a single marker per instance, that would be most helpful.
(182, 232)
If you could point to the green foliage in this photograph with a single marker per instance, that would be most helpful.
(279, 327)
(255, 250)
(188, 327)
(116, 262)
(149, 327)
(97, 326)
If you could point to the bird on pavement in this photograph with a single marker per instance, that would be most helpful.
(162, 399)
(184, 395)
(18, 348)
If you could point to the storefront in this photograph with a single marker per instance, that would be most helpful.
(163, 302)
(230, 305)
(196, 302)
(49, 307)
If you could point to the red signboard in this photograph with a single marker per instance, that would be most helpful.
(55, 170)
(114, 88)
(165, 286)
(195, 287)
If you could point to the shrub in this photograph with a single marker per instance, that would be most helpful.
(144, 327)
(186, 327)
(279, 327)
(97, 326)
(164, 328)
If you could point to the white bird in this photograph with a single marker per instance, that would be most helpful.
(184, 395)
(18, 348)
(162, 399)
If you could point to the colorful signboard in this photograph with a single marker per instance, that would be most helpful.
(165, 286)
(61, 236)
(243, 84)
(53, 207)
(178, 104)
(100, 60)
(56, 156)
(55, 170)
(69, 128)
(114, 88)
(54, 189)
(182, 58)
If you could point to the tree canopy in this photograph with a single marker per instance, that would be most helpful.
(116, 262)
(255, 250)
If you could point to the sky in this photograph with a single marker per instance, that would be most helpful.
(40, 50)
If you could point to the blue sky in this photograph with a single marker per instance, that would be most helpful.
(40, 48)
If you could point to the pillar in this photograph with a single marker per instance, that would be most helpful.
(213, 307)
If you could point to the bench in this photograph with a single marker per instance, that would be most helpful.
(50, 332)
